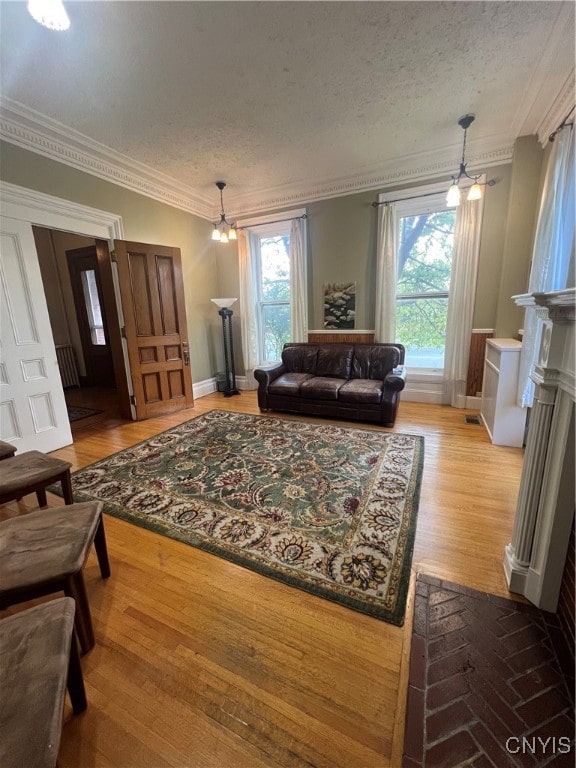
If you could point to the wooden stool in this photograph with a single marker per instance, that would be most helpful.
(45, 551)
(32, 472)
(39, 660)
(7, 450)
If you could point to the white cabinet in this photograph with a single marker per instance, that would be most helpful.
(502, 417)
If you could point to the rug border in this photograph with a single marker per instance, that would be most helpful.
(395, 616)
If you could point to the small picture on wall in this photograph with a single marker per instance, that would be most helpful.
(339, 305)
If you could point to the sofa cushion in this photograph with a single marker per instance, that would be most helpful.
(374, 362)
(321, 388)
(361, 391)
(300, 358)
(334, 360)
(288, 384)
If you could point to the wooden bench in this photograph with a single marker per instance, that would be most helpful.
(44, 552)
(39, 661)
(33, 472)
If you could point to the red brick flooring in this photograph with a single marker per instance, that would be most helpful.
(486, 688)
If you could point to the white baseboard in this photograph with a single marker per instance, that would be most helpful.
(206, 387)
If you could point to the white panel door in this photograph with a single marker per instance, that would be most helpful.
(33, 412)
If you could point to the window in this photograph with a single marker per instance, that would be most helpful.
(93, 311)
(272, 268)
(425, 245)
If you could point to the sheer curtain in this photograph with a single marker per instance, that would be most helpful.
(248, 325)
(386, 274)
(298, 281)
(553, 253)
(461, 301)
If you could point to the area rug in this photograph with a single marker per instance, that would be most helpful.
(490, 682)
(75, 412)
(328, 509)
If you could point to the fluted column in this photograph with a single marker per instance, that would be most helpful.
(517, 553)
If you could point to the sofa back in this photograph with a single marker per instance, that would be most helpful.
(343, 361)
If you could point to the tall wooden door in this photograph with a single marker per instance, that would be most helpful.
(33, 413)
(153, 306)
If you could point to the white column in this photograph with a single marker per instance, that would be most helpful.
(518, 552)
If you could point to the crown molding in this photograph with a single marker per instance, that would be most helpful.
(419, 167)
(38, 133)
(560, 109)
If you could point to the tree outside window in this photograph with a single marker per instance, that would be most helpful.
(424, 267)
(274, 296)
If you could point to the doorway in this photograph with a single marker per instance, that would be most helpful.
(73, 288)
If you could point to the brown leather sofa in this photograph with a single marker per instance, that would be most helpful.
(349, 381)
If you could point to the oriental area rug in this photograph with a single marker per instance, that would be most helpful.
(331, 510)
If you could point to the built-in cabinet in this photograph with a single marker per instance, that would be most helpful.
(502, 417)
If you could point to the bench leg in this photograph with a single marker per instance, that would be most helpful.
(102, 549)
(74, 587)
(67, 487)
(41, 496)
(75, 680)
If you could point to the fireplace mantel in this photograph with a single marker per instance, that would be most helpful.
(534, 560)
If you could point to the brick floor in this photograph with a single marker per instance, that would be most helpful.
(486, 688)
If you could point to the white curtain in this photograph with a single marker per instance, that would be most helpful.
(461, 301)
(386, 274)
(298, 281)
(248, 325)
(553, 254)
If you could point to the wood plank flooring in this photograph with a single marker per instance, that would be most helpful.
(199, 663)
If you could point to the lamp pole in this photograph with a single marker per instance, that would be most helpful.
(226, 315)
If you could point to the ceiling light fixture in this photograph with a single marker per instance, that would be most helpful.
(223, 231)
(49, 13)
(475, 191)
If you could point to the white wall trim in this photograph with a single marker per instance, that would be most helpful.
(201, 388)
(57, 213)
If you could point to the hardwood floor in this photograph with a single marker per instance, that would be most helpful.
(200, 663)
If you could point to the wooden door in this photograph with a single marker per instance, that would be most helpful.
(154, 312)
(33, 413)
(91, 315)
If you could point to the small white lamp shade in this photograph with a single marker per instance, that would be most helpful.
(223, 303)
(49, 13)
(453, 196)
(475, 192)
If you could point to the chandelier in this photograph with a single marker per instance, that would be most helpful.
(474, 192)
(223, 230)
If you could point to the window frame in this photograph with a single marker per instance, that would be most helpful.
(435, 203)
(278, 229)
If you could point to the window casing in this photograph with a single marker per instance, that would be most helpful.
(425, 228)
(271, 244)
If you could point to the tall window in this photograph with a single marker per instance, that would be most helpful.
(272, 266)
(425, 244)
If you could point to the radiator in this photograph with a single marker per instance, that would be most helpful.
(67, 364)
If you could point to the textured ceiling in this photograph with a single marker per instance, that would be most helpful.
(286, 100)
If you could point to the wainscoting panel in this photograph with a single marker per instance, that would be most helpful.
(476, 360)
(341, 337)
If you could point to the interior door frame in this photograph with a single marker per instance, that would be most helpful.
(38, 208)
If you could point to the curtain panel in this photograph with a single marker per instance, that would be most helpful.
(386, 275)
(298, 281)
(461, 302)
(248, 321)
(553, 253)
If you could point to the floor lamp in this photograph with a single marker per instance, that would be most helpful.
(226, 314)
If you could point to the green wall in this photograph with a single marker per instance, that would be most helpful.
(144, 220)
(341, 240)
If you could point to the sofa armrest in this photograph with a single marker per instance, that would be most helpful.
(396, 380)
(265, 376)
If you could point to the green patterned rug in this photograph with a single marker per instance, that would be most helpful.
(329, 509)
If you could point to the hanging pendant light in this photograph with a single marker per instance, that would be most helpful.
(475, 191)
(223, 231)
